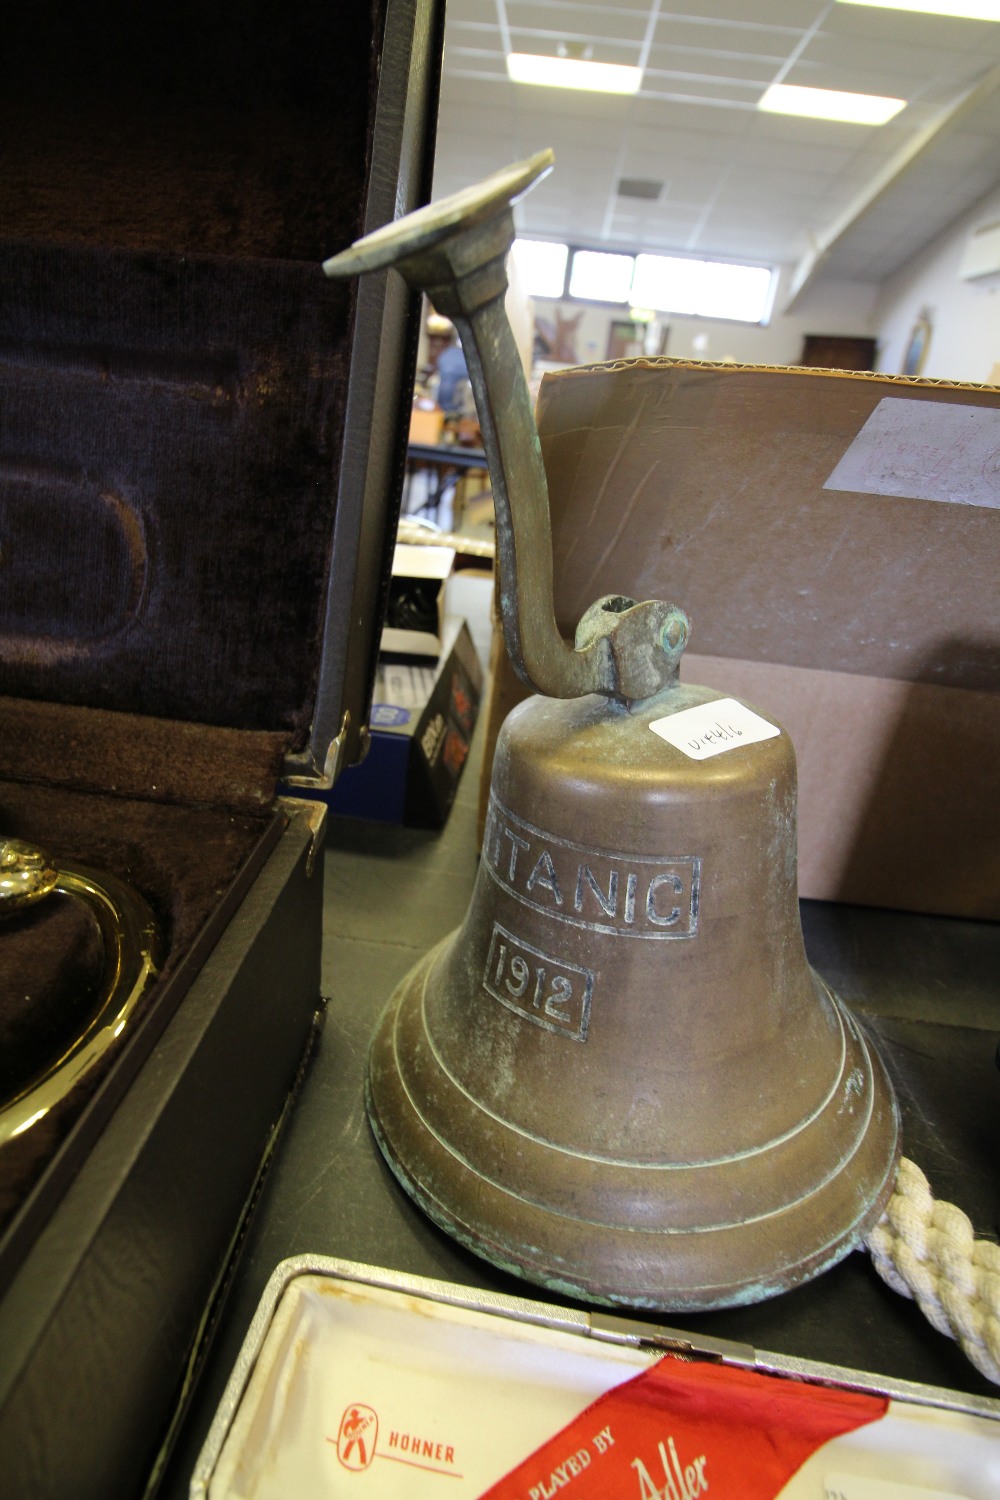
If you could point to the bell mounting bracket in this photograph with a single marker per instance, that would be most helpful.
(455, 251)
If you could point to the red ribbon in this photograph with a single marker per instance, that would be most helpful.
(685, 1428)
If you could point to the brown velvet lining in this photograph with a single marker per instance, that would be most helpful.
(223, 129)
(91, 750)
(182, 859)
(168, 468)
(173, 363)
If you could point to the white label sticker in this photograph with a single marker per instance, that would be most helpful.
(925, 450)
(713, 728)
(856, 1487)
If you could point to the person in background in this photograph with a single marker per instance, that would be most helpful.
(451, 371)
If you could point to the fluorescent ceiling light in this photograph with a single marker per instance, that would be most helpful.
(962, 10)
(573, 73)
(830, 104)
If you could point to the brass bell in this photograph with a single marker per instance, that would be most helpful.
(620, 1078)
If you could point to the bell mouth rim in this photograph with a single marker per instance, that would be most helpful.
(702, 1296)
(636, 1266)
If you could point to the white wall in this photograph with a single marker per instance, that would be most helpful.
(842, 307)
(964, 315)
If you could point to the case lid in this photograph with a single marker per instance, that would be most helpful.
(199, 430)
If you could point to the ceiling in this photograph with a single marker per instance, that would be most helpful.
(825, 200)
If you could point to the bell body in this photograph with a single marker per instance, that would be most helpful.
(620, 1078)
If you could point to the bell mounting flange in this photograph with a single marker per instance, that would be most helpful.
(456, 252)
(620, 1078)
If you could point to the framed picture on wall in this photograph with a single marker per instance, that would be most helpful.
(916, 350)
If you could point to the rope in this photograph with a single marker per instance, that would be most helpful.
(927, 1250)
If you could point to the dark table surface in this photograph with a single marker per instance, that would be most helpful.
(927, 987)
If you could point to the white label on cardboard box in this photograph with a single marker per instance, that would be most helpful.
(925, 450)
(713, 728)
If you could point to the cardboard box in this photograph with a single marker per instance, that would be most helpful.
(414, 617)
(835, 540)
(421, 725)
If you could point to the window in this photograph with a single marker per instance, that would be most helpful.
(600, 277)
(541, 266)
(661, 283)
(701, 288)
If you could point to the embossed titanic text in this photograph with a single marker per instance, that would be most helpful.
(626, 895)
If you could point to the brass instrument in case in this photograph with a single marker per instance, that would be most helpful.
(132, 956)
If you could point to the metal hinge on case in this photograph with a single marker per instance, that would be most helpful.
(310, 774)
(649, 1336)
(336, 755)
(314, 813)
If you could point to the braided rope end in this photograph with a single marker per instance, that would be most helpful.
(927, 1250)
